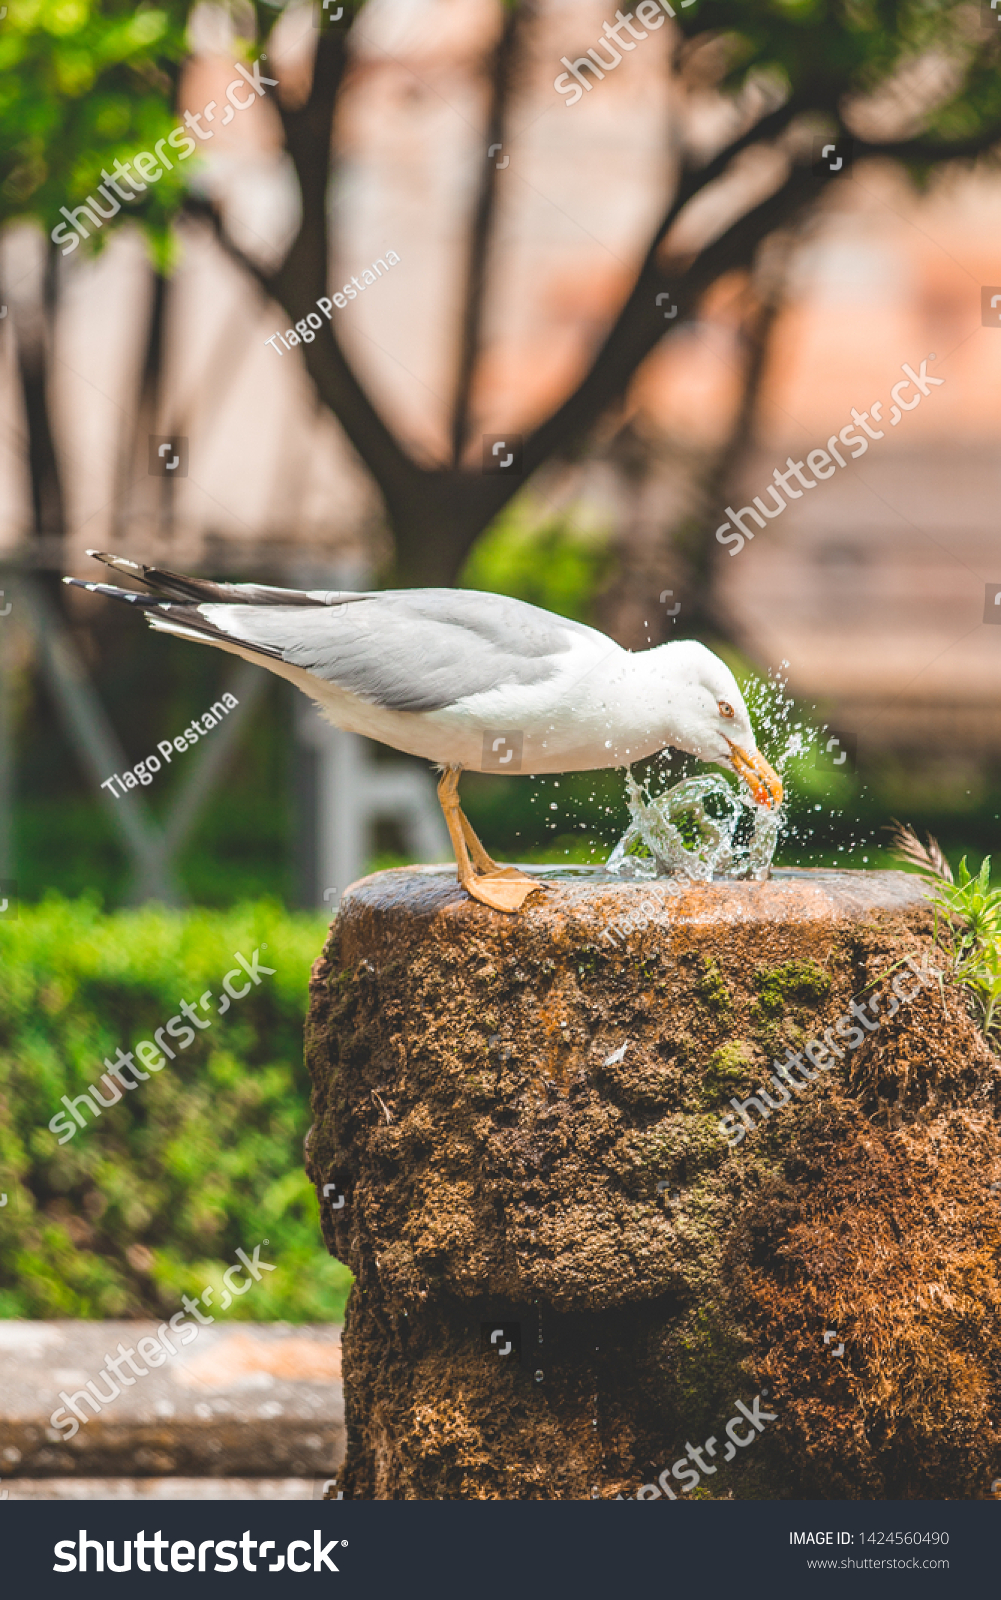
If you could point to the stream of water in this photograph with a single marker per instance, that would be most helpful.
(706, 827)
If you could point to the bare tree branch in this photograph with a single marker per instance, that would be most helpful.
(302, 277)
(501, 76)
(702, 612)
(920, 152)
(640, 324)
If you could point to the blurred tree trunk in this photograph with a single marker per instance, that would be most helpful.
(668, 559)
(131, 466)
(700, 549)
(33, 321)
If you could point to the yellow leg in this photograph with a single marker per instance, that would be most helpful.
(501, 888)
(448, 798)
(481, 860)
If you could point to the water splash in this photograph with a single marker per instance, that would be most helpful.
(704, 827)
(694, 830)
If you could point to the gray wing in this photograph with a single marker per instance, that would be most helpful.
(403, 649)
(408, 649)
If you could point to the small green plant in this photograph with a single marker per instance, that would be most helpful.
(967, 920)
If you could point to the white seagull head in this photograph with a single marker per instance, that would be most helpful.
(707, 717)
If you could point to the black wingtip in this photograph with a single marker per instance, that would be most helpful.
(145, 602)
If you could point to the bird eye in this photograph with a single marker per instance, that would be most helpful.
(726, 709)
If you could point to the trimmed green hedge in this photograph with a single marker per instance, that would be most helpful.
(152, 1199)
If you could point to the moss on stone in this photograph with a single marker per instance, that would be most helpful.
(728, 1068)
(791, 983)
(711, 988)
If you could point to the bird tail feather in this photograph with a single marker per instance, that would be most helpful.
(202, 591)
(170, 616)
(176, 603)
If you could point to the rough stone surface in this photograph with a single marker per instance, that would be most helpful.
(522, 1118)
(248, 1400)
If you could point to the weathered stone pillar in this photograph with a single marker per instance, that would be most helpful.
(569, 1279)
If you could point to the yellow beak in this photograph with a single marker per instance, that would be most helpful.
(764, 784)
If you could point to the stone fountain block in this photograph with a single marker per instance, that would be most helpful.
(566, 1274)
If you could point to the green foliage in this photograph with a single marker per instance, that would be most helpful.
(967, 918)
(81, 85)
(821, 50)
(588, 959)
(84, 83)
(550, 564)
(152, 1199)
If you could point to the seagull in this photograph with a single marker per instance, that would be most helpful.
(468, 681)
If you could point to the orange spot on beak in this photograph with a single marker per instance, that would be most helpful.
(764, 784)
